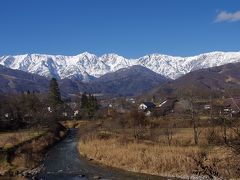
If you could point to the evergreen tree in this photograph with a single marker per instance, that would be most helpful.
(93, 103)
(84, 101)
(89, 104)
(90, 101)
(96, 103)
(54, 94)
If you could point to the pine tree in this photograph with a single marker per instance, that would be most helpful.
(84, 101)
(54, 94)
(90, 101)
(89, 104)
(96, 103)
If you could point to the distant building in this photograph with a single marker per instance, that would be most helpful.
(162, 104)
(49, 109)
(131, 100)
(207, 106)
(146, 106)
(65, 114)
(6, 115)
(232, 106)
(182, 105)
(75, 113)
(165, 107)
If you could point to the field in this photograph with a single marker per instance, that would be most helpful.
(23, 149)
(141, 157)
(10, 139)
(159, 151)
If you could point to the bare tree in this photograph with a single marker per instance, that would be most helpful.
(168, 132)
(139, 122)
(194, 118)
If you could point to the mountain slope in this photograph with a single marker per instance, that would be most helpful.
(129, 81)
(86, 67)
(12, 81)
(225, 78)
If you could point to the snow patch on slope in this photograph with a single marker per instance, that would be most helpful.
(86, 66)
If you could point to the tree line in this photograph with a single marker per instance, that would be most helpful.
(31, 109)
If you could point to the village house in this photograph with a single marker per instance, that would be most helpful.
(165, 107)
(146, 106)
(131, 100)
(207, 106)
(232, 106)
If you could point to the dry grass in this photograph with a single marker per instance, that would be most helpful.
(74, 123)
(180, 136)
(153, 155)
(157, 159)
(10, 139)
(141, 157)
(185, 137)
(28, 154)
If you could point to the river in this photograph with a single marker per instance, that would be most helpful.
(63, 162)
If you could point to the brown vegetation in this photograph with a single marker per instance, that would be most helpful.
(74, 123)
(140, 157)
(27, 153)
(10, 139)
(161, 146)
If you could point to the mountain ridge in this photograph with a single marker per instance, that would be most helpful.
(130, 81)
(124, 82)
(224, 80)
(86, 67)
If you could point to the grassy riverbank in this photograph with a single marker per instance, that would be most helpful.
(153, 154)
(13, 138)
(24, 150)
(140, 157)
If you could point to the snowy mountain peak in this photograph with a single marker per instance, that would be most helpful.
(87, 66)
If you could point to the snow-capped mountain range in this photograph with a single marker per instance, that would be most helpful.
(88, 66)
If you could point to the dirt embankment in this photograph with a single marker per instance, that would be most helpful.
(22, 158)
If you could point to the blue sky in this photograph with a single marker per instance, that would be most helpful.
(131, 28)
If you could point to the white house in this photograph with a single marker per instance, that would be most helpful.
(207, 106)
(76, 113)
(146, 106)
(49, 109)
